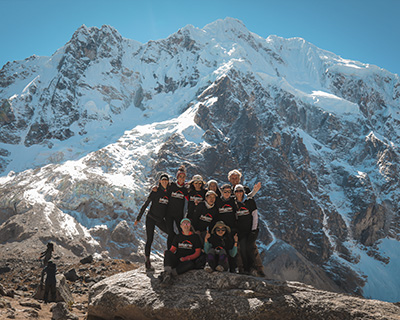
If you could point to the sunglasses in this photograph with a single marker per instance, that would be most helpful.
(220, 229)
(239, 191)
(227, 191)
(187, 223)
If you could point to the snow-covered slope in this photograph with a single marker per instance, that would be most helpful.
(86, 130)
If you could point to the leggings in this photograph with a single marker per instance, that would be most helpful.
(150, 226)
(246, 243)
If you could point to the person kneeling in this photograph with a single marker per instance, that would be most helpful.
(217, 245)
(181, 257)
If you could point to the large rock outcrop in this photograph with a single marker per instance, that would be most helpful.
(199, 295)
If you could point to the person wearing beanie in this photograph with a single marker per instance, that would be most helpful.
(176, 207)
(218, 245)
(182, 255)
(156, 215)
(197, 193)
(213, 185)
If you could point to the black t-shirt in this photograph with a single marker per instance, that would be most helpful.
(227, 212)
(177, 197)
(186, 245)
(204, 217)
(195, 195)
(159, 204)
(225, 242)
(244, 212)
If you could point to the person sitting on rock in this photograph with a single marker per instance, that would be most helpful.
(182, 256)
(46, 255)
(218, 245)
(156, 216)
(50, 284)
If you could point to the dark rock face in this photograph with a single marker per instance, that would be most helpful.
(199, 295)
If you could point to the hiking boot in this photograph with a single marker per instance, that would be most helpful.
(261, 273)
(254, 272)
(208, 268)
(219, 268)
(167, 280)
(148, 266)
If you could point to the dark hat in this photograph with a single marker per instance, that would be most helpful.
(164, 176)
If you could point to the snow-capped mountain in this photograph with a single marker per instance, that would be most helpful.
(84, 132)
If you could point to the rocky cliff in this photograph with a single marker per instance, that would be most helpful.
(84, 132)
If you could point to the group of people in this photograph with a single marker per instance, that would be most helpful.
(207, 226)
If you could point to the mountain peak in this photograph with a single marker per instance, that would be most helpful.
(225, 26)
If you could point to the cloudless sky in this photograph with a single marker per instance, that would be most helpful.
(362, 30)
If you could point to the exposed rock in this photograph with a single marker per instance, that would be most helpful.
(122, 233)
(63, 294)
(199, 295)
(60, 312)
(88, 259)
(71, 275)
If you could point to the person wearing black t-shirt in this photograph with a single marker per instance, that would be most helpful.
(204, 214)
(181, 256)
(196, 194)
(247, 215)
(178, 195)
(156, 215)
(219, 245)
(227, 208)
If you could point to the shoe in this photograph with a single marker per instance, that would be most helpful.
(167, 280)
(208, 268)
(219, 268)
(254, 272)
(148, 266)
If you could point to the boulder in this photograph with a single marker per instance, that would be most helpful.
(60, 312)
(63, 292)
(200, 295)
(122, 233)
(71, 275)
(88, 259)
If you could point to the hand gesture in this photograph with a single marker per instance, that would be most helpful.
(208, 235)
(196, 202)
(257, 187)
(235, 237)
(136, 222)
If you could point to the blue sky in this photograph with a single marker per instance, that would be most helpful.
(362, 30)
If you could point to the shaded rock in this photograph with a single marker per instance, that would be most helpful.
(71, 275)
(60, 312)
(283, 262)
(31, 304)
(63, 292)
(199, 295)
(5, 269)
(88, 259)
